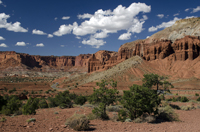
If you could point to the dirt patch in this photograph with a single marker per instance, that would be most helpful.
(53, 119)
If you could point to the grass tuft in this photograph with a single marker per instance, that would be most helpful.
(78, 122)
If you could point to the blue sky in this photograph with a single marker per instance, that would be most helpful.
(73, 27)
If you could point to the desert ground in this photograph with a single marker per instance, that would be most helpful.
(53, 119)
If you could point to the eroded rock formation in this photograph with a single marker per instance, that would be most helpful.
(181, 49)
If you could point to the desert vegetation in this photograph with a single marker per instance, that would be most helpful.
(141, 103)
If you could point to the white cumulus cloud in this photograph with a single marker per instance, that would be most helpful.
(78, 37)
(101, 35)
(1, 2)
(40, 45)
(38, 32)
(66, 17)
(50, 36)
(137, 27)
(95, 43)
(121, 18)
(196, 9)
(104, 22)
(160, 15)
(176, 14)
(125, 36)
(152, 29)
(144, 18)
(20, 44)
(186, 10)
(187, 17)
(3, 45)
(84, 16)
(62, 45)
(65, 29)
(9, 26)
(163, 25)
(2, 38)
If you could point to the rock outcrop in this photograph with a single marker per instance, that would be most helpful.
(11, 58)
(102, 60)
(182, 49)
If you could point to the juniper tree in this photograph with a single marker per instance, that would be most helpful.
(104, 96)
(160, 82)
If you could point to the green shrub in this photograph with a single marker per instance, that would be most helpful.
(167, 114)
(72, 96)
(10, 91)
(188, 107)
(114, 108)
(198, 99)
(80, 100)
(5, 89)
(122, 115)
(13, 104)
(2, 102)
(42, 103)
(78, 122)
(178, 98)
(196, 94)
(170, 99)
(174, 99)
(51, 102)
(3, 119)
(145, 118)
(62, 100)
(88, 105)
(139, 100)
(25, 92)
(18, 112)
(91, 116)
(30, 107)
(175, 106)
(184, 99)
(99, 112)
(162, 97)
(32, 92)
(31, 120)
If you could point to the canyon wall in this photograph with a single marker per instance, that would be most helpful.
(42, 62)
(181, 49)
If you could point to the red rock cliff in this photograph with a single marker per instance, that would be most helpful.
(181, 49)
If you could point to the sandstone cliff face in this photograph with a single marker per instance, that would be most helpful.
(102, 60)
(181, 49)
(11, 59)
(82, 60)
(187, 48)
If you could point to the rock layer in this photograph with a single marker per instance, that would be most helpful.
(181, 49)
